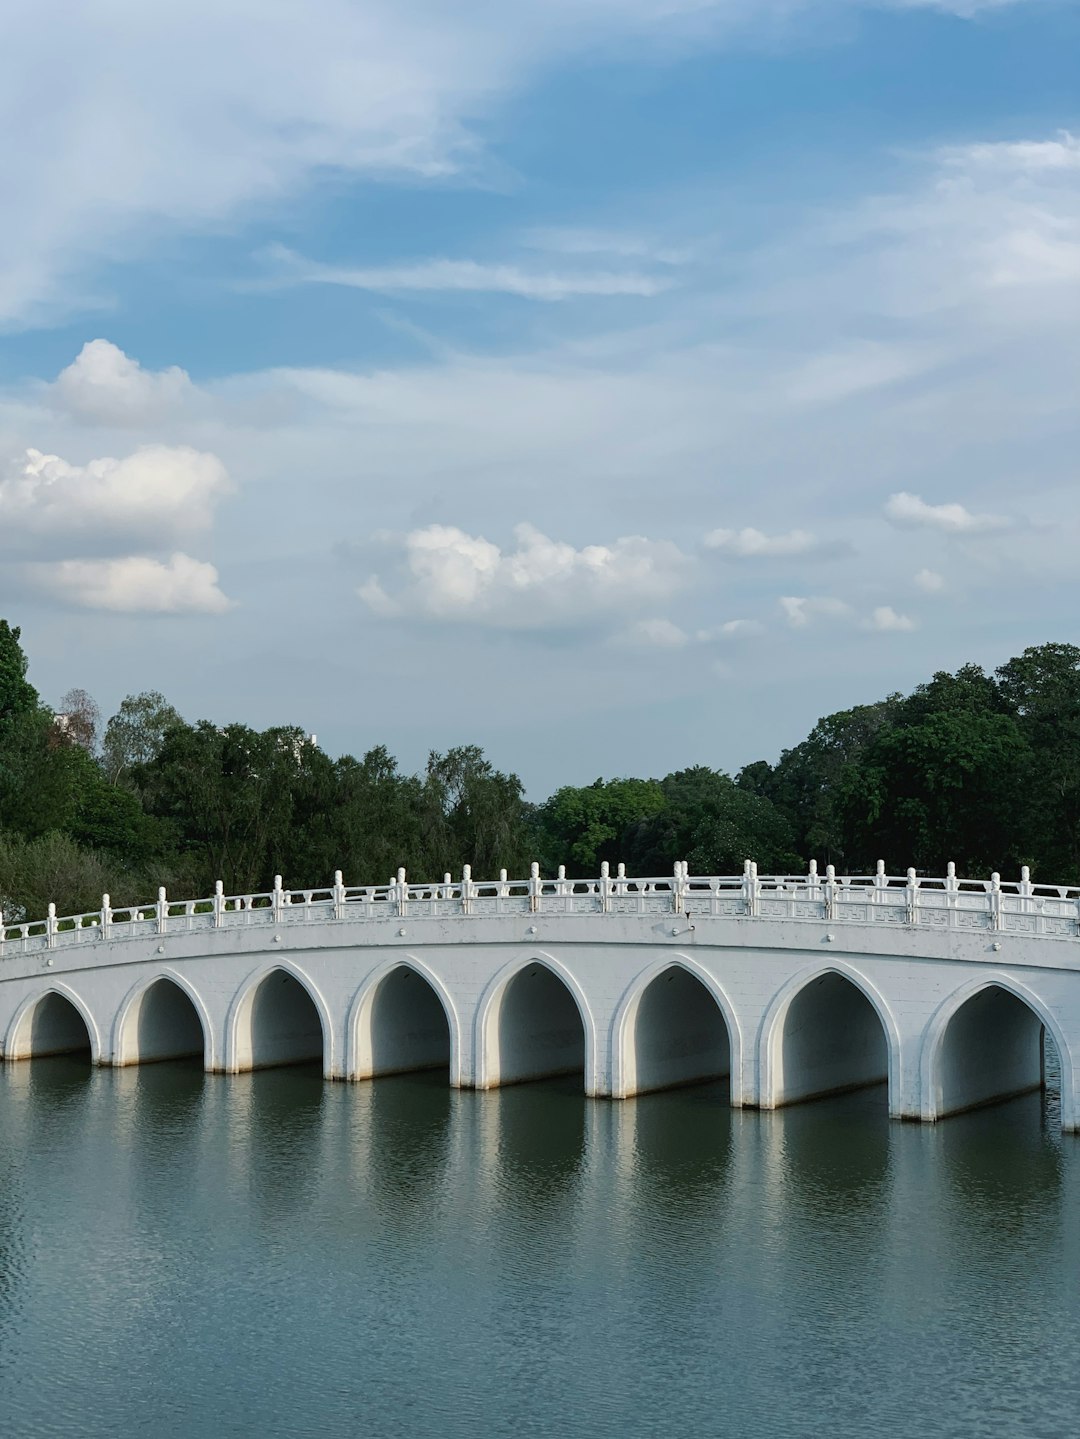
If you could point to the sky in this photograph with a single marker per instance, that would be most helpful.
(619, 385)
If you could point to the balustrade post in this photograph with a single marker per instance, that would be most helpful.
(162, 910)
(952, 886)
(678, 888)
(219, 903)
(881, 883)
(277, 900)
(911, 895)
(564, 888)
(50, 927)
(1026, 889)
(106, 916)
(831, 889)
(3, 934)
(402, 893)
(535, 888)
(995, 901)
(605, 887)
(813, 882)
(339, 895)
(466, 889)
(504, 888)
(751, 888)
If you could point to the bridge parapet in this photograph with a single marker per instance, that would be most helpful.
(949, 902)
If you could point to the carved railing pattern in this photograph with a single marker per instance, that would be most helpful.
(994, 904)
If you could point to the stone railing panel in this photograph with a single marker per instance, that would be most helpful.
(949, 902)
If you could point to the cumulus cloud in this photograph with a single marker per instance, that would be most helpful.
(754, 544)
(885, 619)
(102, 385)
(801, 610)
(453, 576)
(930, 582)
(136, 584)
(156, 492)
(913, 512)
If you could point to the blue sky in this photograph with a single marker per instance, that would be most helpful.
(618, 384)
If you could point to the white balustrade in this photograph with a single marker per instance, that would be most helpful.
(1018, 907)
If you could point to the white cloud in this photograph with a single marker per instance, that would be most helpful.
(886, 619)
(102, 385)
(136, 584)
(453, 576)
(912, 511)
(754, 544)
(155, 492)
(471, 276)
(930, 582)
(729, 630)
(655, 634)
(801, 610)
(1017, 157)
(287, 94)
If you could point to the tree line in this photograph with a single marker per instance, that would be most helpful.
(982, 769)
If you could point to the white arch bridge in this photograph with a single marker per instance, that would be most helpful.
(793, 986)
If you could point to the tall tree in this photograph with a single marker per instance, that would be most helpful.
(79, 719)
(18, 697)
(135, 734)
(583, 826)
(1042, 686)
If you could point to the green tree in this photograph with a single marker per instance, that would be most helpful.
(712, 823)
(942, 781)
(807, 781)
(582, 827)
(1042, 687)
(471, 813)
(229, 794)
(135, 734)
(18, 697)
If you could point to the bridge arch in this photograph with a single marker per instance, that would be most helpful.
(271, 1024)
(47, 1023)
(961, 1070)
(545, 1041)
(828, 1030)
(406, 1044)
(155, 1022)
(714, 1055)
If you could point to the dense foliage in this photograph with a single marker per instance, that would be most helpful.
(982, 769)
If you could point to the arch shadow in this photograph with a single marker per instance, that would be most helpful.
(772, 1033)
(127, 1018)
(239, 1057)
(488, 1065)
(623, 1066)
(18, 1041)
(359, 1040)
(931, 1058)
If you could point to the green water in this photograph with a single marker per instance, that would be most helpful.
(184, 1254)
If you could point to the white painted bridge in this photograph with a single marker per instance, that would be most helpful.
(949, 991)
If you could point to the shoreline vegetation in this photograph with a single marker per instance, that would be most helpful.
(980, 769)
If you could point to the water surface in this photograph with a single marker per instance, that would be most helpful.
(190, 1254)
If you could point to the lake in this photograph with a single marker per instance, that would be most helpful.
(268, 1254)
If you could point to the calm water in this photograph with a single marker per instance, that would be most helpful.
(184, 1254)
